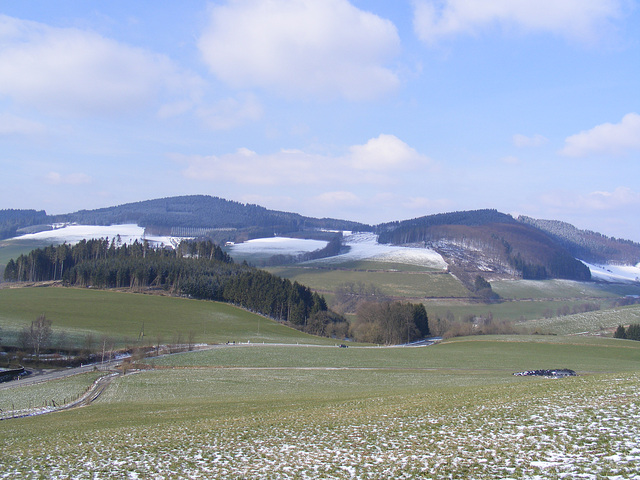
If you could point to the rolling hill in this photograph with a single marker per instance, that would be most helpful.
(478, 242)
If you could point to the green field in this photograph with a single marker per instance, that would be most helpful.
(443, 294)
(122, 317)
(13, 248)
(452, 410)
(406, 284)
(581, 323)
(16, 401)
(501, 355)
(449, 411)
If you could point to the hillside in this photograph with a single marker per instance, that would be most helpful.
(587, 245)
(193, 215)
(487, 242)
(205, 215)
(477, 242)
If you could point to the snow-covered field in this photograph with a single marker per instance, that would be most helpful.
(615, 273)
(73, 234)
(584, 427)
(365, 246)
(277, 246)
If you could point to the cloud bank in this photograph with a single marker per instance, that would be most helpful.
(69, 71)
(301, 48)
(374, 162)
(607, 138)
(576, 19)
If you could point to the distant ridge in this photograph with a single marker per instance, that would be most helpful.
(474, 243)
(589, 246)
(213, 216)
(487, 241)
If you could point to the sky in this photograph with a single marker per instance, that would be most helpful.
(366, 110)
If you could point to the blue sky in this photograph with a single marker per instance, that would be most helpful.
(365, 110)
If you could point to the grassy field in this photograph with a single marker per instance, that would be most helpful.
(121, 317)
(442, 293)
(589, 322)
(31, 398)
(501, 355)
(562, 289)
(408, 284)
(449, 411)
(13, 248)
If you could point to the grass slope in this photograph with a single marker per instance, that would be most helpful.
(500, 355)
(581, 323)
(120, 316)
(451, 411)
(407, 284)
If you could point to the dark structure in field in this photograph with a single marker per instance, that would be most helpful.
(555, 373)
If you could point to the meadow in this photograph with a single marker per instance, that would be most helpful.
(444, 295)
(122, 317)
(454, 410)
(309, 409)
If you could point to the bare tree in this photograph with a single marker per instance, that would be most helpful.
(37, 336)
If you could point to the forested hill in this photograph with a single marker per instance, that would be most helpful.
(483, 237)
(12, 221)
(408, 231)
(587, 245)
(194, 215)
(201, 211)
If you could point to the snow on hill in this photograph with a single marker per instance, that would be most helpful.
(73, 234)
(365, 246)
(277, 246)
(615, 273)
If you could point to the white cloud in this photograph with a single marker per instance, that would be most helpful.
(375, 162)
(536, 140)
(301, 48)
(577, 19)
(608, 138)
(247, 167)
(13, 125)
(598, 200)
(383, 153)
(70, 71)
(55, 178)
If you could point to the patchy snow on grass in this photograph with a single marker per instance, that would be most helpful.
(615, 273)
(585, 427)
(277, 246)
(365, 246)
(73, 234)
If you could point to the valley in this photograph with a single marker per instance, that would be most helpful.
(273, 401)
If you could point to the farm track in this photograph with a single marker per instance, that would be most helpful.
(92, 394)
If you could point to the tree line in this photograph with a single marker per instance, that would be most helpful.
(198, 269)
(632, 332)
(202, 270)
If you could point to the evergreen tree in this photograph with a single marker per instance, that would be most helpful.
(620, 332)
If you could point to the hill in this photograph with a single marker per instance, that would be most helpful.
(474, 243)
(201, 215)
(193, 215)
(587, 245)
(485, 242)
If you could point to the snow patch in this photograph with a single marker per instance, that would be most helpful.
(277, 246)
(365, 246)
(73, 234)
(615, 273)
